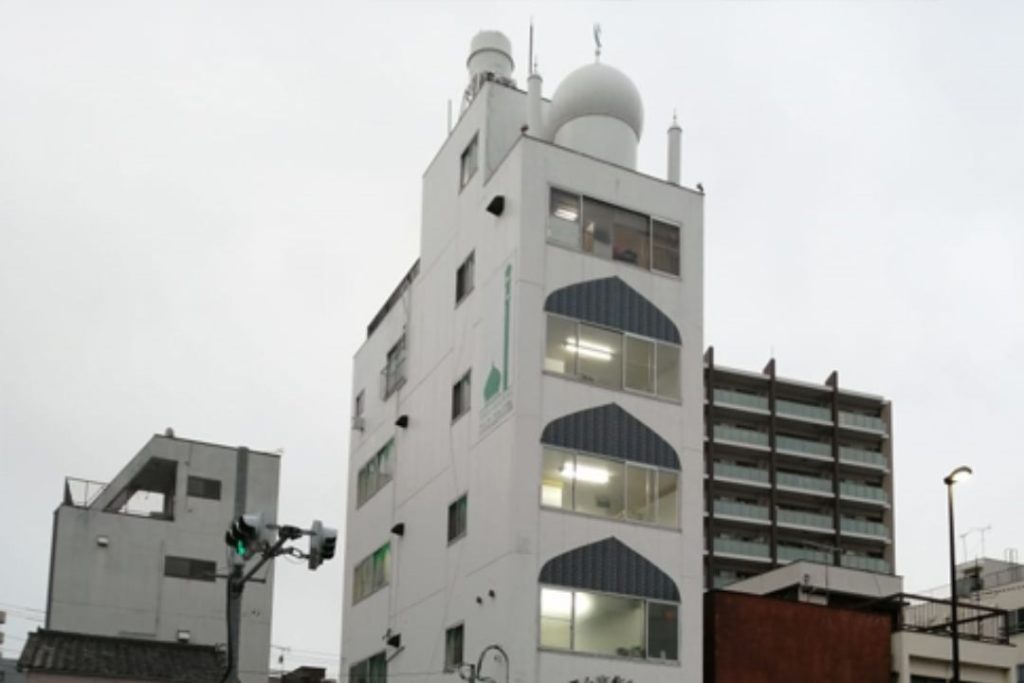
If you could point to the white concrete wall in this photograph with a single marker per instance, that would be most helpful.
(920, 654)
(434, 585)
(121, 590)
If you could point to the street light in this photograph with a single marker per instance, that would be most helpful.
(959, 474)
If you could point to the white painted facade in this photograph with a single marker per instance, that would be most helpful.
(109, 567)
(488, 580)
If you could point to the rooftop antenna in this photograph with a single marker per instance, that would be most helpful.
(531, 67)
(597, 42)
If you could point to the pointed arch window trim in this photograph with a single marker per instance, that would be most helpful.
(612, 431)
(610, 302)
(609, 566)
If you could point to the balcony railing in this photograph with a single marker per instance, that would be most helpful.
(932, 615)
(740, 435)
(808, 519)
(81, 493)
(803, 482)
(802, 410)
(791, 553)
(858, 421)
(732, 508)
(871, 564)
(863, 527)
(792, 443)
(741, 399)
(734, 546)
(729, 471)
(862, 456)
(863, 492)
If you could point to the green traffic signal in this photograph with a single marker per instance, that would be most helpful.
(240, 547)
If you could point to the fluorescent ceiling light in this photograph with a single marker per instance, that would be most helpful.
(589, 349)
(567, 214)
(555, 603)
(584, 603)
(592, 475)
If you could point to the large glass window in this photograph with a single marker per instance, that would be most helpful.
(599, 356)
(555, 486)
(608, 625)
(640, 364)
(612, 232)
(666, 247)
(560, 355)
(598, 486)
(611, 625)
(371, 670)
(564, 221)
(375, 474)
(668, 371)
(605, 487)
(662, 630)
(611, 359)
(555, 618)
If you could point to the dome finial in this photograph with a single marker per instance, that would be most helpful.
(597, 42)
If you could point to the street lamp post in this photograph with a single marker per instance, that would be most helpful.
(959, 474)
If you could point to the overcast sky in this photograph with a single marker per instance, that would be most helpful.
(203, 204)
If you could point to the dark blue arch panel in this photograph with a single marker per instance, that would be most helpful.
(610, 430)
(609, 566)
(612, 303)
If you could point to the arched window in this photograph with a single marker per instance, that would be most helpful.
(604, 462)
(605, 332)
(606, 599)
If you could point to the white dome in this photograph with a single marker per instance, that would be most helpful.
(491, 42)
(597, 90)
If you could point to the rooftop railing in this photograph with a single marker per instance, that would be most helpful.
(81, 493)
(931, 615)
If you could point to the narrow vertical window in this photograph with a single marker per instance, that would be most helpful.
(453, 643)
(564, 221)
(460, 397)
(468, 163)
(457, 519)
(464, 279)
(360, 403)
(666, 248)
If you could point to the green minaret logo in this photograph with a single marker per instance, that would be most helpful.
(497, 380)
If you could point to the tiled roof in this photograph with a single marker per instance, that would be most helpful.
(80, 654)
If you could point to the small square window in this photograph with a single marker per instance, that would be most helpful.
(468, 163)
(453, 642)
(460, 397)
(464, 279)
(457, 519)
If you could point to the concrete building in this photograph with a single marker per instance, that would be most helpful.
(919, 644)
(526, 452)
(795, 471)
(9, 671)
(143, 557)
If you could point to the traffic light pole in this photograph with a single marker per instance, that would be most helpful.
(236, 584)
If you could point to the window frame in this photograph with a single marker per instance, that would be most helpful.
(383, 454)
(191, 571)
(579, 246)
(645, 601)
(394, 374)
(360, 591)
(458, 395)
(203, 484)
(359, 404)
(461, 517)
(627, 464)
(624, 335)
(461, 290)
(458, 628)
(474, 146)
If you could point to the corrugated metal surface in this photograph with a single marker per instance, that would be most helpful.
(612, 303)
(611, 567)
(610, 430)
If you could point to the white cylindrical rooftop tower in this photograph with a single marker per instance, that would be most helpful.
(675, 143)
(534, 118)
(598, 111)
(490, 59)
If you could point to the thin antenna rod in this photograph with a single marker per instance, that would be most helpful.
(530, 64)
(597, 42)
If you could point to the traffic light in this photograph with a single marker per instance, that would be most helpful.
(323, 541)
(248, 534)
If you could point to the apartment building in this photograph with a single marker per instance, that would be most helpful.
(525, 463)
(794, 471)
(143, 557)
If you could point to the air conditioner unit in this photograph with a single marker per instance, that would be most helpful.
(358, 422)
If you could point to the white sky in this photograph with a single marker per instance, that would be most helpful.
(203, 204)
